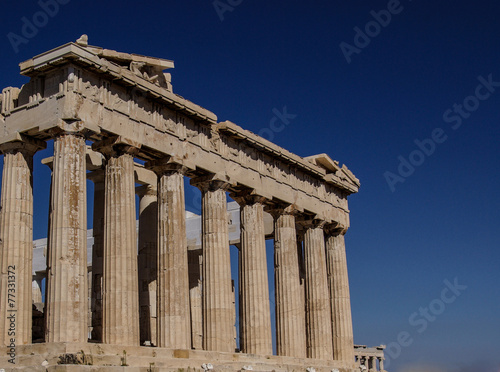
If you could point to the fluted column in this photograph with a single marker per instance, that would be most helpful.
(67, 292)
(381, 364)
(340, 302)
(255, 319)
(148, 238)
(195, 259)
(318, 313)
(173, 311)
(218, 327)
(97, 254)
(290, 316)
(16, 241)
(120, 278)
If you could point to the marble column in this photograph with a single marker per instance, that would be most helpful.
(218, 327)
(67, 293)
(16, 240)
(318, 313)
(148, 238)
(195, 259)
(340, 302)
(97, 254)
(174, 323)
(255, 319)
(290, 316)
(120, 278)
(381, 364)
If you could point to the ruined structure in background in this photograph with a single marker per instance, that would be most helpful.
(124, 107)
(369, 358)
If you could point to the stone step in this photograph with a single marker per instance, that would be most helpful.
(102, 357)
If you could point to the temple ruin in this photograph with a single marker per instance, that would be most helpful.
(157, 295)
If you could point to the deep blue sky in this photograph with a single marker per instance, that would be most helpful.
(438, 225)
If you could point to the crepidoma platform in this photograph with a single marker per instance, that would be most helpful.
(103, 357)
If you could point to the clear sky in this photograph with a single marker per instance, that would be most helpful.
(411, 108)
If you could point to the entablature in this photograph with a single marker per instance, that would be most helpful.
(110, 94)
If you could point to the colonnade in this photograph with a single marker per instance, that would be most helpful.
(367, 357)
(313, 314)
(369, 363)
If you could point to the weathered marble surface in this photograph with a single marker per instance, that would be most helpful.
(67, 283)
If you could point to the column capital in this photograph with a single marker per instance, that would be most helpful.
(283, 209)
(22, 143)
(335, 229)
(166, 166)
(116, 146)
(248, 197)
(74, 127)
(313, 223)
(211, 182)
